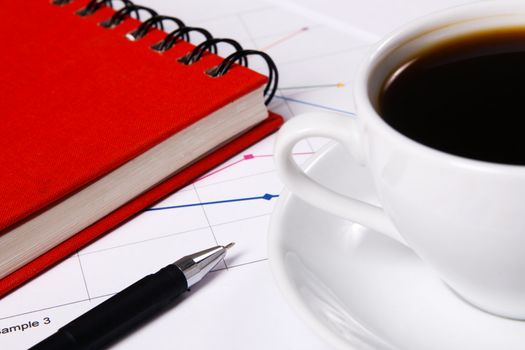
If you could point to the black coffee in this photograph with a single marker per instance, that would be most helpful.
(465, 96)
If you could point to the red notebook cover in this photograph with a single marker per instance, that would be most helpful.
(79, 100)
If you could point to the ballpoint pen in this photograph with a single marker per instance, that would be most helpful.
(120, 314)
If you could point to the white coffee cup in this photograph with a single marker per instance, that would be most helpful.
(465, 218)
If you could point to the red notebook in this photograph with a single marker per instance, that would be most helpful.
(81, 101)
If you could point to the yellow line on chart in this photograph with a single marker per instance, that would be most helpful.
(318, 86)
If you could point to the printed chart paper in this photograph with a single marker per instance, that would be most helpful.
(238, 306)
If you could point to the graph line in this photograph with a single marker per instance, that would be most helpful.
(318, 86)
(283, 39)
(266, 196)
(244, 158)
(315, 105)
(218, 170)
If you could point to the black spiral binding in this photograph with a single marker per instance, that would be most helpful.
(273, 75)
(170, 39)
(210, 45)
(124, 12)
(182, 32)
(155, 22)
(61, 2)
(94, 5)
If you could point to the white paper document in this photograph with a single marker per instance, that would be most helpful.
(238, 306)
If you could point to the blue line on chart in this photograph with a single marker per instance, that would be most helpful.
(314, 105)
(266, 196)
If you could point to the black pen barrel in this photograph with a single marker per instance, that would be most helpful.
(120, 314)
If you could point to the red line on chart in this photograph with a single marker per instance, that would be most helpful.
(283, 39)
(244, 158)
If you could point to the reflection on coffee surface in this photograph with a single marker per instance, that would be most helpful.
(464, 96)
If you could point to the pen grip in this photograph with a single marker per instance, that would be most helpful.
(121, 313)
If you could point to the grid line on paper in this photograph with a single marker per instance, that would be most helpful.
(111, 294)
(208, 220)
(287, 37)
(231, 14)
(316, 105)
(243, 264)
(145, 240)
(90, 298)
(307, 58)
(43, 309)
(252, 39)
(290, 110)
(175, 234)
(245, 157)
(238, 178)
(246, 29)
(83, 275)
(57, 306)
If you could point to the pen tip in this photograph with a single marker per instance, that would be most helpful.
(228, 246)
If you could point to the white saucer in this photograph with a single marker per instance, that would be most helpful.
(361, 290)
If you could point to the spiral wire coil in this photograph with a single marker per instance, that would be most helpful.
(182, 32)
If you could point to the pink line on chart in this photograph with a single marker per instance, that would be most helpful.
(219, 170)
(244, 158)
(283, 39)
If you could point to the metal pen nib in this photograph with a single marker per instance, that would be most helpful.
(197, 265)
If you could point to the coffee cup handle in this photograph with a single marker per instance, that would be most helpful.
(344, 130)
